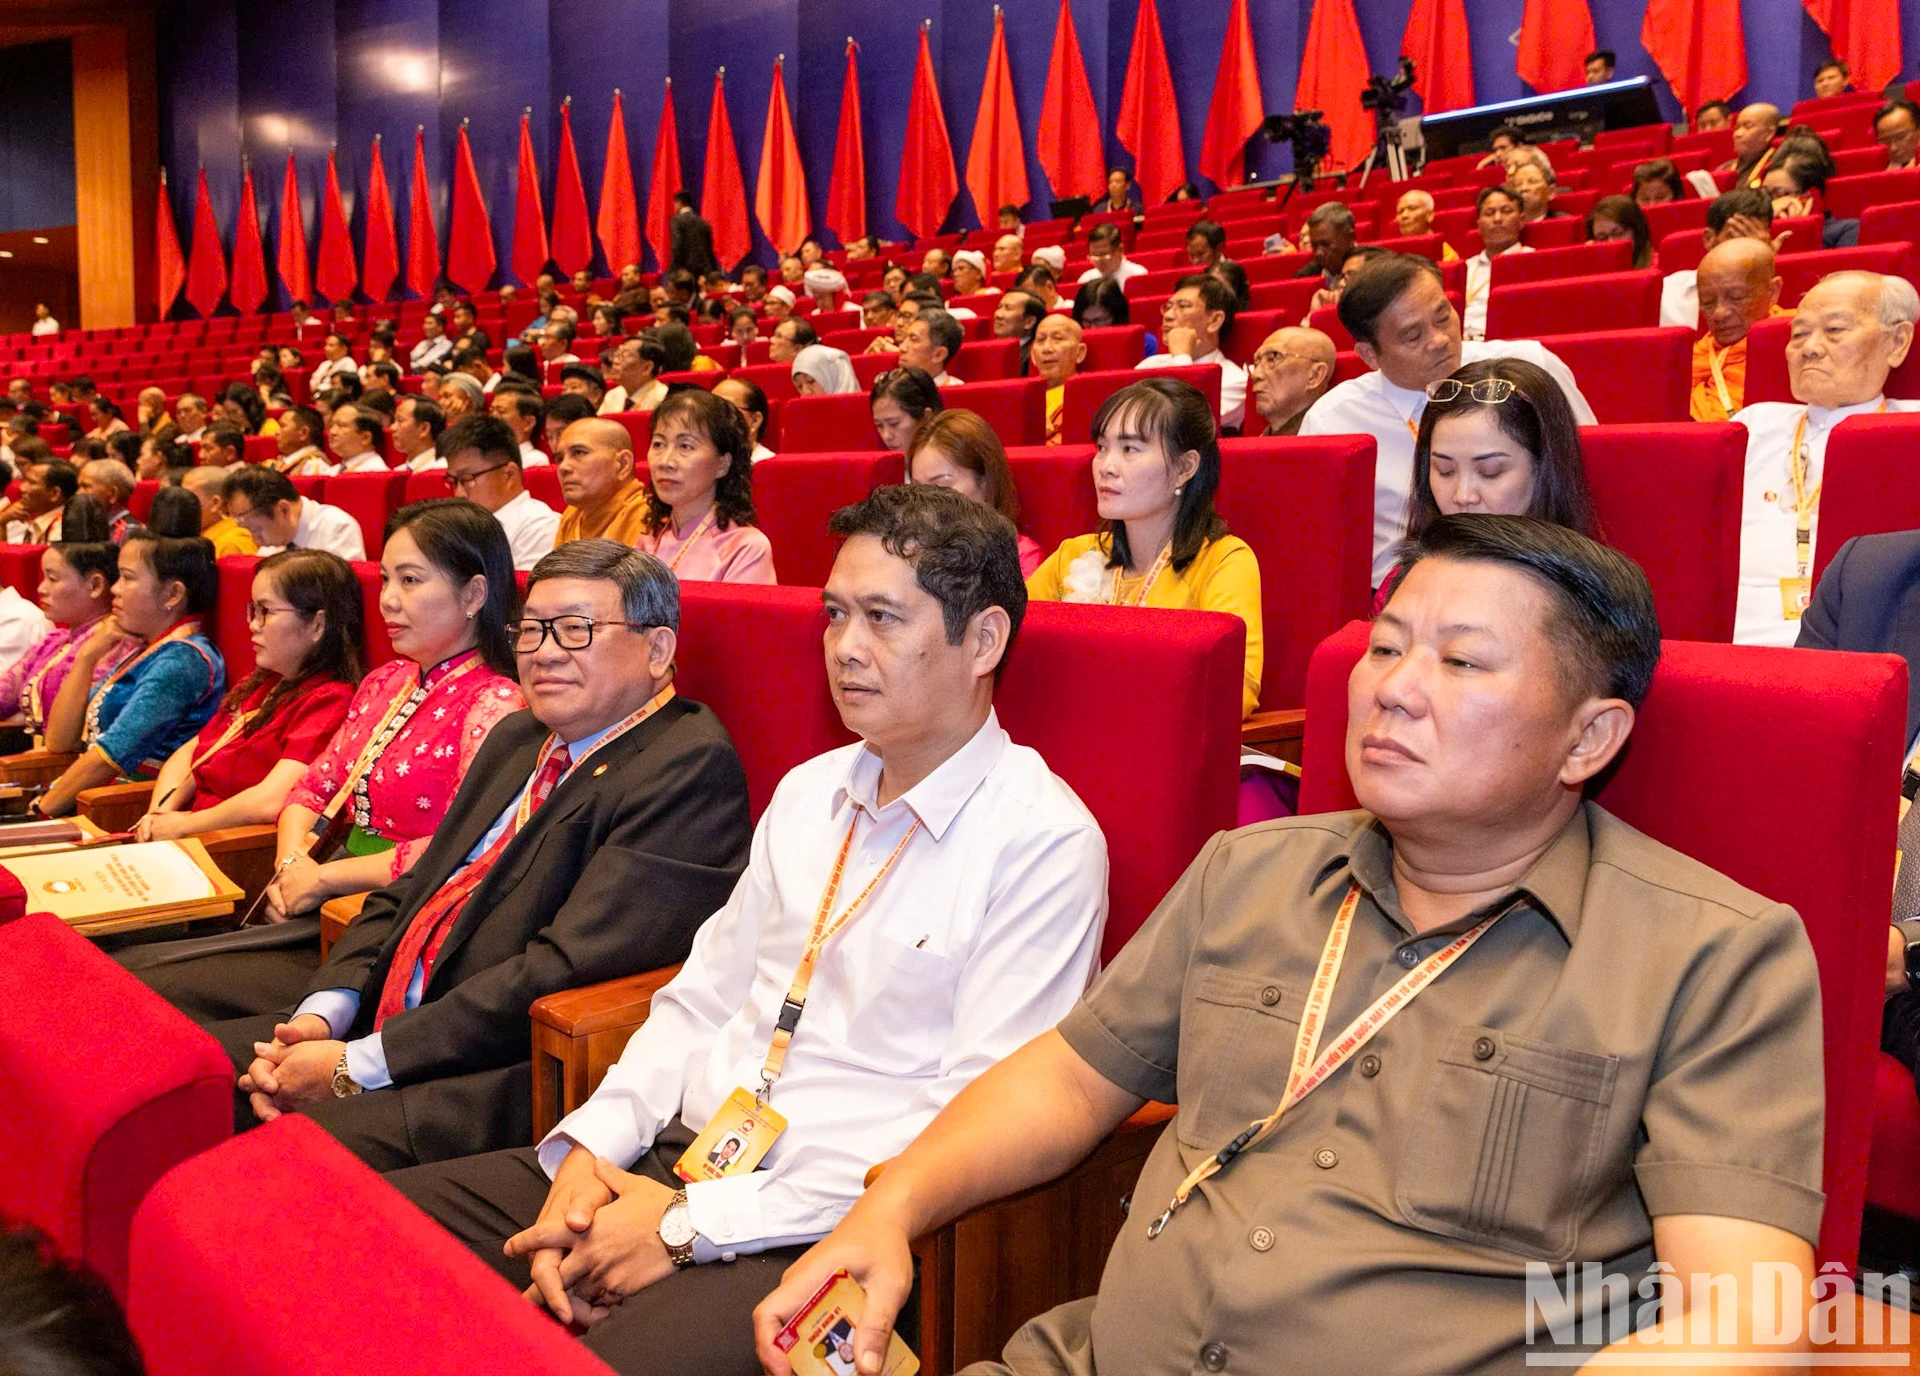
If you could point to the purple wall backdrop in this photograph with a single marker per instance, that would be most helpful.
(260, 78)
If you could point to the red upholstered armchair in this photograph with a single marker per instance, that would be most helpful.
(796, 495)
(103, 1088)
(400, 1293)
(1571, 305)
(1630, 376)
(1868, 487)
(1761, 763)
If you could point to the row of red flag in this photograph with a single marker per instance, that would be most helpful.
(1694, 42)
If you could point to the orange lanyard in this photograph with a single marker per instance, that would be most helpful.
(1154, 571)
(180, 630)
(701, 529)
(1806, 504)
(1311, 1068)
(825, 928)
(614, 733)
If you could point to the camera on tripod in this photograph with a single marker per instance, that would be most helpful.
(1307, 131)
(1388, 94)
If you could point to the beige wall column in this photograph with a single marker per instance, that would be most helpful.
(116, 176)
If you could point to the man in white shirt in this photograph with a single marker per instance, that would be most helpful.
(635, 368)
(297, 443)
(417, 424)
(433, 347)
(190, 415)
(1108, 257)
(1192, 323)
(484, 465)
(272, 511)
(22, 626)
(556, 343)
(930, 341)
(46, 485)
(973, 883)
(520, 409)
(355, 436)
(1849, 332)
(43, 322)
(336, 359)
(1408, 333)
(1499, 211)
(1743, 213)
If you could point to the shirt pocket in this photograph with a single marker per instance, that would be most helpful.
(1236, 1043)
(906, 995)
(1506, 1142)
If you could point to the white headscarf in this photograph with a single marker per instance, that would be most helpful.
(823, 280)
(1053, 256)
(973, 256)
(831, 368)
(781, 293)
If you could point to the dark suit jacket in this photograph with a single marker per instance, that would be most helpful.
(692, 244)
(611, 876)
(1869, 599)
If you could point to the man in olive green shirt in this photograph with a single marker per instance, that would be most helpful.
(1624, 1068)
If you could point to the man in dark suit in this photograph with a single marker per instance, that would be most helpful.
(692, 239)
(590, 838)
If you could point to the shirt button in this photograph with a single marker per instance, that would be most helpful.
(1270, 996)
(1409, 957)
(1262, 1239)
(1369, 1065)
(1213, 1357)
(1483, 1048)
(1326, 1158)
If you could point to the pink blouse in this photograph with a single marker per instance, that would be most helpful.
(1031, 555)
(31, 685)
(738, 554)
(407, 790)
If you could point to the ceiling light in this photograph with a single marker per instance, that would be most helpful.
(6, 253)
(41, 239)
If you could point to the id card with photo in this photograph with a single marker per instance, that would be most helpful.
(733, 1142)
(819, 1339)
(1795, 594)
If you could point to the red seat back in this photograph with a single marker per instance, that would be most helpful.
(261, 449)
(369, 498)
(1055, 486)
(1868, 487)
(1898, 222)
(1799, 272)
(639, 428)
(1705, 774)
(796, 493)
(1848, 197)
(379, 645)
(775, 379)
(1114, 347)
(1016, 409)
(425, 486)
(987, 360)
(1087, 392)
(1767, 376)
(20, 569)
(544, 484)
(141, 502)
(101, 1099)
(1668, 497)
(230, 634)
(1579, 260)
(1574, 305)
(838, 424)
(1630, 375)
(197, 1232)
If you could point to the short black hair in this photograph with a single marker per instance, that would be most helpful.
(1605, 55)
(586, 372)
(1833, 64)
(224, 436)
(60, 475)
(1898, 105)
(1724, 107)
(802, 334)
(568, 407)
(943, 332)
(57, 1315)
(489, 434)
(877, 299)
(526, 401)
(1487, 193)
(682, 198)
(1507, 131)
(1604, 629)
(1106, 232)
(427, 412)
(249, 402)
(1211, 231)
(1750, 201)
(385, 369)
(965, 555)
(1215, 295)
(1370, 291)
(303, 416)
(677, 345)
(263, 487)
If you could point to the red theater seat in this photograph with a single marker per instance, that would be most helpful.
(369, 498)
(1564, 230)
(815, 425)
(987, 360)
(379, 645)
(204, 1229)
(1898, 222)
(1893, 1167)
(1705, 774)
(261, 448)
(1055, 486)
(639, 426)
(1113, 347)
(796, 493)
(1868, 487)
(432, 482)
(544, 484)
(1800, 271)
(1580, 260)
(230, 634)
(20, 569)
(1016, 409)
(1086, 392)
(106, 1088)
(1630, 375)
(1574, 305)
(1848, 197)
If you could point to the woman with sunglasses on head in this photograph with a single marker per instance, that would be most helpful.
(700, 516)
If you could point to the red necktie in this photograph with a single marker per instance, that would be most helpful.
(428, 931)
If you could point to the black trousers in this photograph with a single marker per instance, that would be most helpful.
(696, 1320)
(1900, 1030)
(230, 974)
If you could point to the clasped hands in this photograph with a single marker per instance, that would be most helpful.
(295, 1068)
(596, 1241)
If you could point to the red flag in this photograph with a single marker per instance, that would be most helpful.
(1555, 38)
(572, 230)
(470, 260)
(927, 181)
(723, 194)
(1332, 74)
(1149, 127)
(666, 181)
(847, 191)
(1068, 140)
(335, 274)
(290, 253)
(1687, 41)
(1865, 34)
(780, 197)
(207, 268)
(1436, 40)
(1237, 110)
(529, 219)
(423, 240)
(380, 258)
(997, 159)
(249, 287)
(169, 263)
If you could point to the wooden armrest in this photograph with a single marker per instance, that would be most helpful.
(1276, 733)
(33, 767)
(579, 1033)
(336, 915)
(245, 855)
(116, 807)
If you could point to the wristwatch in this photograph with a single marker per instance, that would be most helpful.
(343, 1083)
(676, 1229)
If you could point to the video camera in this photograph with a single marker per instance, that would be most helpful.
(1307, 131)
(1388, 94)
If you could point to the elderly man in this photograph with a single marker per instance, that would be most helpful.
(1330, 238)
(190, 414)
(1500, 213)
(1413, 215)
(556, 343)
(1849, 332)
(1006, 253)
(1743, 213)
(1193, 323)
(520, 410)
(1108, 257)
(596, 469)
(936, 262)
(584, 380)
(1738, 289)
(789, 337)
(1408, 333)
(226, 535)
(417, 424)
(110, 483)
(1660, 1023)
(484, 465)
(1017, 316)
(1292, 370)
(1896, 128)
(270, 508)
(595, 831)
(355, 437)
(980, 884)
(930, 341)
(827, 286)
(1753, 133)
(1057, 353)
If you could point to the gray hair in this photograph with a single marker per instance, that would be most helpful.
(1527, 152)
(467, 383)
(1334, 216)
(1899, 302)
(110, 471)
(649, 593)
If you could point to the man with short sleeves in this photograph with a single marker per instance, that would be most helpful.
(1408, 333)
(1498, 215)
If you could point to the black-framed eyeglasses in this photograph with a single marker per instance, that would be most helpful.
(456, 482)
(568, 632)
(1490, 391)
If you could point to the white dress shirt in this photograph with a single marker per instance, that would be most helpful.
(761, 453)
(1769, 529)
(22, 626)
(194, 436)
(42, 328)
(1233, 382)
(428, 352)
(369, 462)
(428, 458)
(325, 527)
(947, 379)
(1125, 273)
(1370, 405)
(330, 368)
(531, 457)
(1680, 299)
(1473, 320)
(983, 935)
(530, 525)
(308, 461)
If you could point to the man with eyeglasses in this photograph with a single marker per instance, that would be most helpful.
(1293, 369)
(593, 834)
(1194, 322)
(483, 465)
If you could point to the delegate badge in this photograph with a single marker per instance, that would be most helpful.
(734, 1141)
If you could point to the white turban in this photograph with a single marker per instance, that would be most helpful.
(1053, 256)
(821, 281)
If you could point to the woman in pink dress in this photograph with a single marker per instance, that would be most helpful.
(958, 449)
(76, 593)
(700, 520)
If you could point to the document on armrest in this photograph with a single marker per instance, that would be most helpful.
(125, 886)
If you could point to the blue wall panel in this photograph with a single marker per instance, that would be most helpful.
(36, 138)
